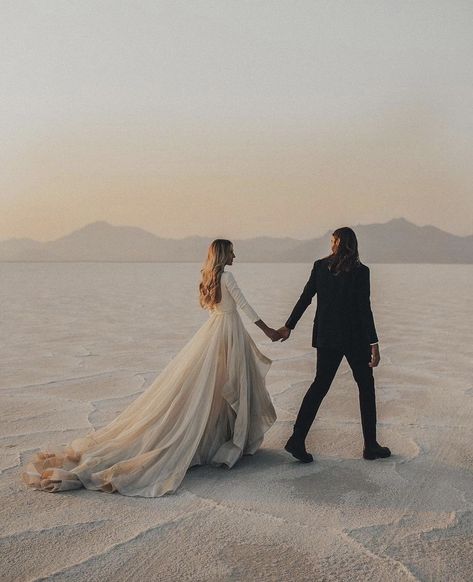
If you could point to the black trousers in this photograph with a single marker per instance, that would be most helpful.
(328, 361)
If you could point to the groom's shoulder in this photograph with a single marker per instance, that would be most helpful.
(362, 271)
(321, 262)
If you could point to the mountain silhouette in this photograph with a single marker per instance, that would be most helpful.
(396, 241)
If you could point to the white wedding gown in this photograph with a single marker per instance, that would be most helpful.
(208, 406)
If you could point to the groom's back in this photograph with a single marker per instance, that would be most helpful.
(338, 319)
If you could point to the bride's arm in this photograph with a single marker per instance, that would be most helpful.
(243, 304)
(238, 296)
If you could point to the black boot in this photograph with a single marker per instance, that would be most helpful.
(376, 451)
(296, 447)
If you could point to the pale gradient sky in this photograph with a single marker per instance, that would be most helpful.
(235, 118)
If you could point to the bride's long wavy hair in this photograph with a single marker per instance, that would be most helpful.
(218, 254)
(346, 257)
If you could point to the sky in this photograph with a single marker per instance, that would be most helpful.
(235, 118)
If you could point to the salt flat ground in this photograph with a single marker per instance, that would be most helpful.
(81, 341)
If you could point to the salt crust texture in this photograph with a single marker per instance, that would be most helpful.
(81, 341)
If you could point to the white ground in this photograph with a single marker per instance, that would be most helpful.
(80, 341)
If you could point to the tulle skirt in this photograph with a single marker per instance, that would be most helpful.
(208, 406)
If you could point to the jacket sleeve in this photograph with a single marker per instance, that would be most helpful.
(364, 306)
(234, 290)
(305, 299)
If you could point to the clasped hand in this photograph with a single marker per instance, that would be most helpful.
(281, 334)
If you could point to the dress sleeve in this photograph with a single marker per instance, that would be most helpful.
(234, 290)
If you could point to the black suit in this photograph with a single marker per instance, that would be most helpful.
(343, 326)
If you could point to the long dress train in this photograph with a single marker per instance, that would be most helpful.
(208, 406)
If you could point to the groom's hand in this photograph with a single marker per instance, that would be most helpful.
(375, 357)
(284, 332)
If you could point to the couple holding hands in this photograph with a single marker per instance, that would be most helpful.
(210, 404)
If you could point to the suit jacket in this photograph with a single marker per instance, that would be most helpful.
(343, 318)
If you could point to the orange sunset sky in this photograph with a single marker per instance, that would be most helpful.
(232, 117)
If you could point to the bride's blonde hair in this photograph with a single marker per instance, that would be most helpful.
(218, 254)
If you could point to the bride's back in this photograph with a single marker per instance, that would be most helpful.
(227, 303)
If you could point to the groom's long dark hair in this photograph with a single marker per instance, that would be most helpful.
(346, 257)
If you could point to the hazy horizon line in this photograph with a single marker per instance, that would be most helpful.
(304, 239)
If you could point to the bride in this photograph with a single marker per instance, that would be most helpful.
(208, 406)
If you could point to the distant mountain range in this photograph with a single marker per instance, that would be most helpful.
(396, 241)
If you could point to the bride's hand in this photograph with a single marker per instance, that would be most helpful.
(269, 331)
(273, 334)
(284, 333)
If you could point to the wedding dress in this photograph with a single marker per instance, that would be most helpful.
(209, 405)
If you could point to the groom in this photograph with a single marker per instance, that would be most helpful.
(343, 326)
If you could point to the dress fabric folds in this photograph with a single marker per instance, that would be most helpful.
(208, 406)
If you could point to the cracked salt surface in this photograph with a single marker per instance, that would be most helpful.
(75, 361)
